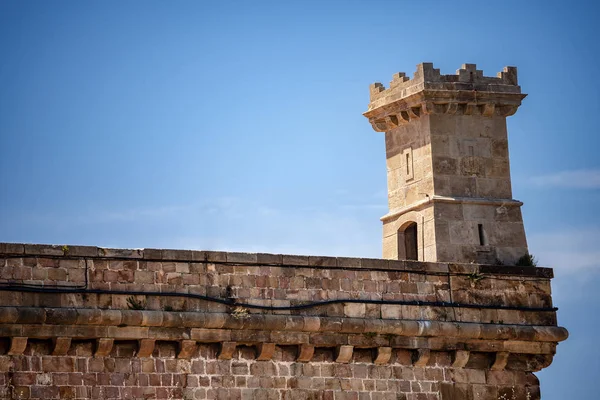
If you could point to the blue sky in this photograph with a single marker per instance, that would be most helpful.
(237, 126)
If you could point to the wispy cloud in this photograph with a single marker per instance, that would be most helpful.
(382, 207)
(132, 214)
(293, 232)
(229, 224)
(569, 251)
(575, 179)
(230, 206)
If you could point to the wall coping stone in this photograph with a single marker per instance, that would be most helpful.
(287, 323)
(263, 259)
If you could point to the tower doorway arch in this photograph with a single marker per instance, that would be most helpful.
(408, 244)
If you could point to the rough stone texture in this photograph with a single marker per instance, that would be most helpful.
(79, 375)
(451, 331)
(285, 285)
(448, 165)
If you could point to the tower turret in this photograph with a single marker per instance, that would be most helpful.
(449, 188)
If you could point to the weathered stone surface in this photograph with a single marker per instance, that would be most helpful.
(187, 348)
(359, 337)
(344, 353)
(446, 153)
(265, 351)
(383, 355)
(17, 346)
(227, 350)
(500, 361)
(61, 346)
(103, 347)
(305, 352)
(146, 347)
(461, 358)
(422, 357)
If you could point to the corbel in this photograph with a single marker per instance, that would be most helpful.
(305, 352)
(383, 355)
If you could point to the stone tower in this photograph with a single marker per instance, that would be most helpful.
(449, 189)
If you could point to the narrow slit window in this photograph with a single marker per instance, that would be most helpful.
(482, 239)
(408, 171)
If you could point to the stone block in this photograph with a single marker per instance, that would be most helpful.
(374, 263)
(445, 165)
(515, 346)
(383, 355)
(305, 352)
(348, 262)
(103, 347)
(355, 310)
(243, 258)
(267, 259)
(187, 349)
(484, 392)
(210, 335)
(328, 339)
(215, 256)
(246, 337)
(500, 361)
(12, 248)
(17, 346)
(390, 311)
(61, 346)
(152, 254)
(422, 357)
(461, 358)
(120, 253)
(343, 354)
(322, 261)
(265, 351)
(145, 347)
(128, 333)
(44, 250)
(353, 325)
(226, 350)
(214, 320)
(294, 260)
(177, 255)
(312, 324)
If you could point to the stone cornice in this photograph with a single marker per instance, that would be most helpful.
(448, 199)
(60, 317)
(466, 93)
(189, 329)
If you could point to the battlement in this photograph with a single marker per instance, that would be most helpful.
(468, 92)
(466, 78)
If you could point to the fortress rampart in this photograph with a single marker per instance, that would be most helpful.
(86, 322)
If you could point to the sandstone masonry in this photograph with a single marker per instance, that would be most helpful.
(449, 189)
(87, 322)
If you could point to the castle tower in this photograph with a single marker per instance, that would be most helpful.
(449, 189)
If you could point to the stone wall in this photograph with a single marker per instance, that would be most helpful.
(122, 375)
(88, 322)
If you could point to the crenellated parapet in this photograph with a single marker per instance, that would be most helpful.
(468, 92)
